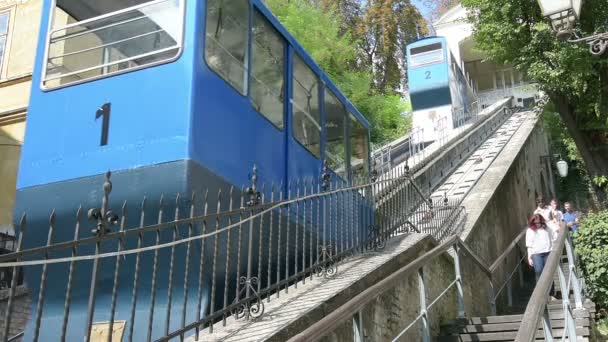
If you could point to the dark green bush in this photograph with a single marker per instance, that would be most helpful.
(591, 243)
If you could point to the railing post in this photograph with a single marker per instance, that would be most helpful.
(520, 271)
(426, 330)
(460, 292)
(358, 328)
(509, 290)
(492, 297)
(547, 325)
(568, 319)
(576, 288)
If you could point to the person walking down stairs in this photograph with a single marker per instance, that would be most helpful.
(539, 242)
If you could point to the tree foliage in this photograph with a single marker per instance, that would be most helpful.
(577, 185)
(514, 32)
(333, 33)
(591, 242)
(386, 27)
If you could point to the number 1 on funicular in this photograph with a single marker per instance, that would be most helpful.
(105, 125)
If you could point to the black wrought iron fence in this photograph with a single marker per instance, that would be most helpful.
(7, 245)
(170, 269)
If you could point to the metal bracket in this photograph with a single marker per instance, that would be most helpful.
(325, 177)
(374, 171)
(328, 267)
(597, 42)
(253, 305)
(254, 195)
(103, 216)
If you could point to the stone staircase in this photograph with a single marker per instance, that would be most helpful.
(505, 326)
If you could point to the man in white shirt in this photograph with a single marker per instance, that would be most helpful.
(542, 208)
(558, 215)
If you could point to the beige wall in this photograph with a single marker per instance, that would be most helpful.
(15, 83)
(23, 35)
(11, 137)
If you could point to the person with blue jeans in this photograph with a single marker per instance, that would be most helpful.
(539, 242)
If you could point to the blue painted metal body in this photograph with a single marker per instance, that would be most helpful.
(429, 82)
(176, 127)
(438, 87)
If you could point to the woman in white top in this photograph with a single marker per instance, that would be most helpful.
(539, 241)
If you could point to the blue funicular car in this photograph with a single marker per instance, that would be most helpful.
(172, 96)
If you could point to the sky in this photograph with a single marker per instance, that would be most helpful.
(421, 7)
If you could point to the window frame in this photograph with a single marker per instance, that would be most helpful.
(320, 94)
(345, 132)
(412, 56)
(247, 63)
(366, 161)
(286, 65)
(50, 31)
(10, 11)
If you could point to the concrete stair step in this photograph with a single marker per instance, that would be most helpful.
(553, 306)
(476, 328)
(506, 335)
(554, 315)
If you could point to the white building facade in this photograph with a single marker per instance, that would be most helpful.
(491, 81)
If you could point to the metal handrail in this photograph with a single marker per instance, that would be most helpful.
(537, 309)
(344, 312)
(120, 41)
(356, 304)
(507, 251)
(89, 31)
(109, 15)
(378, 153)
(104, 65)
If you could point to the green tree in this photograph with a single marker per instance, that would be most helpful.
(577, 185)
(386, 28)
(321, 32)
(514, 32)
(591, 242)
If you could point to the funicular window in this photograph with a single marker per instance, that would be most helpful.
(227, 39)
(426, 54)
(267, 70)
(359, 148)
(306, 111)
(335, 123)
(92, 38)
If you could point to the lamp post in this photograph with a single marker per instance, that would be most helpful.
(564, 14)
(561, 165)
(562, 168)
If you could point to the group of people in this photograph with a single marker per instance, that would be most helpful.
(543, 228)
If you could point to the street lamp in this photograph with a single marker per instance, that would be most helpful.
(564, 14)
(562, 168)
(561, 165)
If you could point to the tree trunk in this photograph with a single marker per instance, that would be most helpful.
(595, 163)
